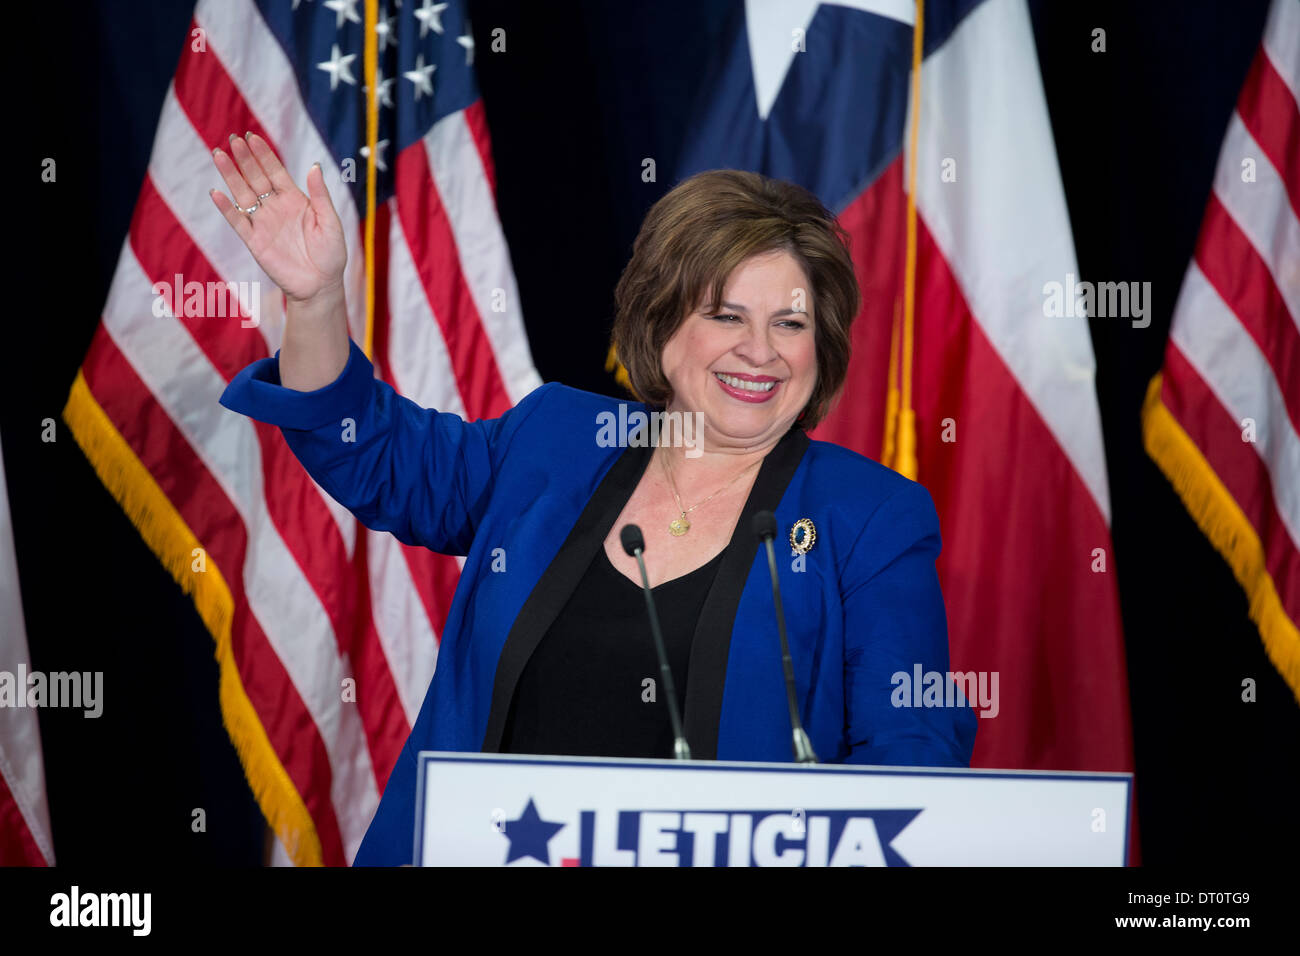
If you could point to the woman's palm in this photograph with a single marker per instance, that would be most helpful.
(295, 237)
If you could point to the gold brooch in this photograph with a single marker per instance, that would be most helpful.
(802, 536)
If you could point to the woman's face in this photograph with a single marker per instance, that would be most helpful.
(751, 366)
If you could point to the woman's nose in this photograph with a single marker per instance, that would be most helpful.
(756, 347)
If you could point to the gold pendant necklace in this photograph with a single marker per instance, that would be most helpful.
(680, 525)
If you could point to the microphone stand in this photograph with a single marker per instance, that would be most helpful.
(634, 545)
(765, 528)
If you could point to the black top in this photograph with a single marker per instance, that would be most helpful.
(717, 618)
(583, 690)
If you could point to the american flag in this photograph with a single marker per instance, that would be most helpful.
(326, 633)
(1007, 424)
(1222, 419)
(24, 812)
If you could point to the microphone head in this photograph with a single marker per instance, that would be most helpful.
(765, 525)
(632, 539)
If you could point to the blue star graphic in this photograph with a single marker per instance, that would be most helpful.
(529, 835)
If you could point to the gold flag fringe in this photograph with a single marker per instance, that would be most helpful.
(612, 364)
(1221, 519)
(167, 535)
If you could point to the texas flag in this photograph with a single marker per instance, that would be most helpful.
(1000, 385)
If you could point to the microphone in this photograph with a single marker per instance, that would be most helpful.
(765, 528)
(634, 545)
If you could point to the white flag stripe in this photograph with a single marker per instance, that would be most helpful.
(256, 63)
(179, 166)
(1227, 359)
(1003, 225)
(417, 352)
(404, 630)
(296, 625)
(1261, 210)
(21, 762)
(1282, 42)
(484, 258)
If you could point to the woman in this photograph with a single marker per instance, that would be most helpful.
(734, 311)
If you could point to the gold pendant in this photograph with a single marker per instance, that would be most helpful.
(679, 527)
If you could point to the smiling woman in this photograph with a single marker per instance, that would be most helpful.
(779, 247)
(734, 311)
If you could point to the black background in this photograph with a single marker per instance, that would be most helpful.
(584, 91)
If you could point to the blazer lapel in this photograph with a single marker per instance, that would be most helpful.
(712, 641)
(708, 670)
(559, 581)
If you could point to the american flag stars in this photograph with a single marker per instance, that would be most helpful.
(346, 10)
(422, 77)
(339, 67)
(429, 15)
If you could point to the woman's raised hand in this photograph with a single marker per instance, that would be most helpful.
(296, 238)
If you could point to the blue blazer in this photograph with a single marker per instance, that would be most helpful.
(862, 605)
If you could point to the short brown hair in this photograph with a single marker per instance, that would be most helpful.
(691, 241)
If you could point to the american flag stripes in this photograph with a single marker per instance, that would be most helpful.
(326, 633)
(1222, 419)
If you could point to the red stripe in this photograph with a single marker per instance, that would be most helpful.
(476, 120)
(875, 223)
(434, 575)
(204, 507)
(1237, 463)
(1241, 277)
(437, 262)
(1269, 112)
(381, 318)
(211, 99)
(17, 845)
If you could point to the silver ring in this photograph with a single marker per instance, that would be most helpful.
(264, 195)
(251, 209)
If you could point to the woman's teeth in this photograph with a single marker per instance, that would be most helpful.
(746, 385)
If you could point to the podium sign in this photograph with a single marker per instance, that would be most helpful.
(500, 809)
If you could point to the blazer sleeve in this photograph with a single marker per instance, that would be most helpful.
(894, 619)
(426, 476)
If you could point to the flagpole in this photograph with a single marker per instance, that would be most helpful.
(371, 55)
(905, 434)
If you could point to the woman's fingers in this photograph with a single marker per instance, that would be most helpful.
(319, 195)
(239, 189)
(242, 225)
(270, 163)
(249, 167)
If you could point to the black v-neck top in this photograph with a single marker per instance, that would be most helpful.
(583, 690)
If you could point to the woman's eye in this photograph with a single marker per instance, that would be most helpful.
(794, 324)
(726, 316)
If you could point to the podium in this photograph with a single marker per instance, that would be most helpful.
(507, 809)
